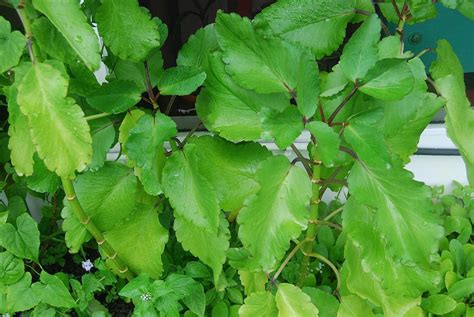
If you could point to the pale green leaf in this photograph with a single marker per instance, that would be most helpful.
(277, 213)
(307, 82)
(71, 22)
(57, 124)
(20, 296)
(391, 47)
(352, 305)
(253, 282)
(115, 97)
(327, 141)
(462, 289)
(263, 64)
(22, 240)
(103, 137)
(180, 80)
(145, 146)
(75, 233)
(292, 302)
(390, 79)
(448, 74)
(11, 268)
(361, 53)
(108, 195)
(42, 180)
(127, 29)
(128, 123)
(439, 304)
(326, 303)
(52, 291)
(259, 304)
(467, 8)
(198, 47)
(230, 168)
(12, 45)
(140, 240)
(303, 21)
(283, 126)
(230, 110)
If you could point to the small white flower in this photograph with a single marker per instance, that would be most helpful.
(145, 297)
(87, 265)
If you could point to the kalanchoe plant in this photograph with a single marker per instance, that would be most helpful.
(218, 225)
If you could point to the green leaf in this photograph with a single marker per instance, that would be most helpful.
(284, 126)
(327, 141)
(259, 304)
(20, 296)
(127, 29)
(304, 21)
(263, 64)
(42, 180)
(449, 78)
(52, 291)
(334, 82)
(140, 240)
(75, 233)
(180, 80)
(462, 289)
(108, 195)
(57, 124)
(11, 268)
(52, 42)
(71, 23)
(390, 79)
(145, 146)
(352, 305)
(82, 81)
(440, 304)
(292, 302)
(253, 282)
(198, 47)
(198, 223)
(128, 123)
(361, 53)
(23, 241)
(115, 97)
(277, 213)
(307, 83)
(12, 45)
(467, 9)
(230, 110)
(326, 303)
(230, 168)
(103, 137)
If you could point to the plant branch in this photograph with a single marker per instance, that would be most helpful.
(186, 138)
(287, 260)
(28, 31)
(170, 104)
(330, 264)
(302, 159)
(343, 103)
(329, 180)
(97, 116)
(149, 87)
(86, 221)
(348, 151)
(334, 213)
(397, 10)
(327, 223)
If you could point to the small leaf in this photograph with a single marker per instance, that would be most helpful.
(42, 180)
(71, 22)
(11, 268)
(327, 141)
(353, 305)
(115, 97)
(360, 53)
(198, 47)
(253, 282)
(23, 241)
(292, 302)
(52, 291)
(390, 79)
(462, 288)
(440, 304)
(20, 296)
(259, 304)
(127, 29)
(12, 45)
(307, 83)
(327, 304)
(103, 137)
(180, 80)
(284, 126)
(76, 234)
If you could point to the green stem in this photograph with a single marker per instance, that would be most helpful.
(28, 32)
(330, 264)
(85, 220)
(97, 116)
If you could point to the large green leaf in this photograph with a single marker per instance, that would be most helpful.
(140, 240)
(292, 302)
(115, 97)
(180, 80)
(20, 296)
(390, 79)
(230, 168)
(196, 50)
(448, 74)
(11, 268)
(259, 304)
(308, 89)
(127, 29)
(327, 141)
(71, 22)
(57, 124)
(256, 62)
(317, 24)
(353, 305)
(108, 195)
(12, 45)
(145, 146)
(22, 240)
(230, 110)
(52, 291)
(283, 126)
(361, 53)
(277, 213)
(198, 222)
